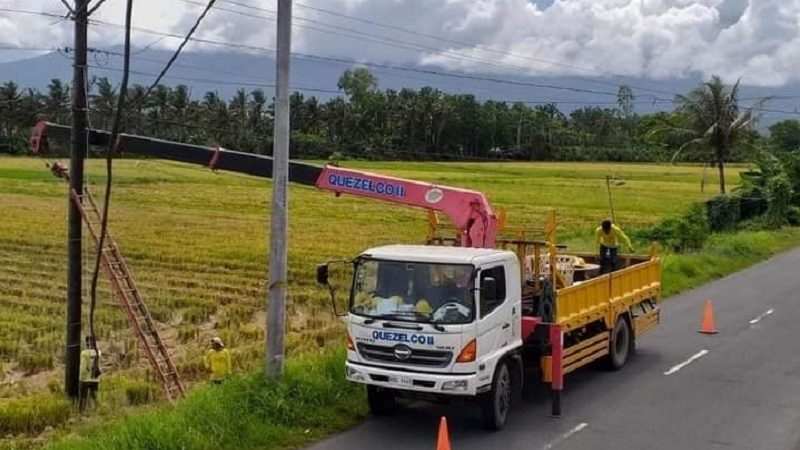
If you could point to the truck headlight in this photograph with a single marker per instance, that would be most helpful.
(355, 375)
(459, 385)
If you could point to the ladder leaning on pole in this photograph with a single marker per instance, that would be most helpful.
(127, 293)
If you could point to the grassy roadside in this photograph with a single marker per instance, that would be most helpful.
(723, 254)
(314, 400)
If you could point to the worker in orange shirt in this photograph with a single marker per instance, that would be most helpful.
(607, 236)
(218, 361)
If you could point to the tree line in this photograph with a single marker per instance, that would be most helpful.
(425, 124)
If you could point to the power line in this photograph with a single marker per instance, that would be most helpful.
(96, 6)
(27, 49)
(385, 66)
(311, 89)
(34, 13)
(417, 33)
(396, 43)
(180, 47)
(343, 60)
(369, 37)
(348, 61)
(212, 81)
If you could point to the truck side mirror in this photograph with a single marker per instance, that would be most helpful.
(489, 289)
(322, 274)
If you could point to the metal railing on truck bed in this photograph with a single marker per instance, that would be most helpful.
(588, 311)
(607, 296)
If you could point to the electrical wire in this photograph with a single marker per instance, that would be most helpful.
(349, 61)
(33, 13)
(438, 38)
(115, 129)
(96, 6)
(405, 30)
(453, 54)
(27, 49)
(70, 11)
(179, 49)
(319, 90)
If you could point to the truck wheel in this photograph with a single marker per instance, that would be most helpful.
(619, 348)
(496, 403)
(381, 401)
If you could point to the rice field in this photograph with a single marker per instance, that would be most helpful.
(197, 244)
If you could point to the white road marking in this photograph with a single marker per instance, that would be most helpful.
(680, 366)
(566, 435)
(758, 319)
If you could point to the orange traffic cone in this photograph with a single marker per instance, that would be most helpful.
(443, 442)
(708, 319)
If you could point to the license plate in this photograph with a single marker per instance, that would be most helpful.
(403, 381)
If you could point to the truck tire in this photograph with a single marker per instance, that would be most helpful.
(620, 345)
(381, 401)
(496, 403)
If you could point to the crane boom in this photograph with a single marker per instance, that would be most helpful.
(469, 210)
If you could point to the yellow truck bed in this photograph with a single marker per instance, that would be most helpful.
(629, 294)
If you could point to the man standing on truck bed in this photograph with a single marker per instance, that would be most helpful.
(607, 237)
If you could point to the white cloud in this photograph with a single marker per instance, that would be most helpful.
(758, 40)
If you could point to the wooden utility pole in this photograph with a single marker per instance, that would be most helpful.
(276, 298)
(78, 152)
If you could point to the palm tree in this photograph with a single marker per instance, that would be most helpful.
(9, 108)
(717, 122)
(56, 103)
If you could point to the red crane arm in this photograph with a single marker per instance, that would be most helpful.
(469, 210)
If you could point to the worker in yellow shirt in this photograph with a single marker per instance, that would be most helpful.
(89, 374)
(607, 237)
(218, 361)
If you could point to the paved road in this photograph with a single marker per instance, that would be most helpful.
(743, 392)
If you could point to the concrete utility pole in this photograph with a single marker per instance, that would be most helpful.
(276, 298)
(79, 147)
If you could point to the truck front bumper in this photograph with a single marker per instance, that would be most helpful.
(444, 384)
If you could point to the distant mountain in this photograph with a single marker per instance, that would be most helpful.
(226, 72)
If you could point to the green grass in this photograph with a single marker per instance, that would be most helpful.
(247, 412)
(32, 414)
(723, 254)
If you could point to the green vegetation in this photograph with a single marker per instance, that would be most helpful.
(246, 412)
(370, 123)
(721, 255)
(32, 414)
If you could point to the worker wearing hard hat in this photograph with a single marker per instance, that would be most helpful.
(218, 361)
(607, 237)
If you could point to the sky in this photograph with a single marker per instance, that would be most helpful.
(755, 40)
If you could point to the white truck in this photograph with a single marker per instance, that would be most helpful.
(455, 323)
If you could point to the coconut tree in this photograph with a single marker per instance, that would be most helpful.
(717, 122)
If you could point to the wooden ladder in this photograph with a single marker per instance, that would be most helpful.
(130, 298)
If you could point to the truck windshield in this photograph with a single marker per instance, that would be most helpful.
(414, 292)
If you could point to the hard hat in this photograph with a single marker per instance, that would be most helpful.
(218, 341)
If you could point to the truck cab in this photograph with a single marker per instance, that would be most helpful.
(435, 321)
